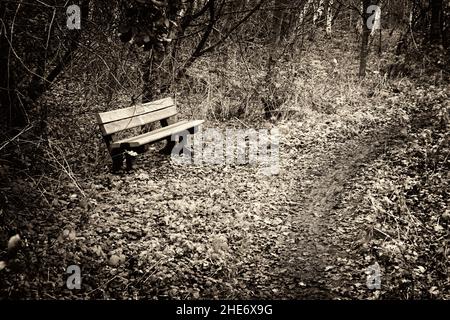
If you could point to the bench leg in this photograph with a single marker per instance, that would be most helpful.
(167, 150)
(193, 130)
(130, 161)
(117, 159)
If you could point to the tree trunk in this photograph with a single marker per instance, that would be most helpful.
(152, 76)
(436, 22)
(329, 17)
(364, 39)
(318, 12)
(281, 20)
(304, 11)
(10, 113)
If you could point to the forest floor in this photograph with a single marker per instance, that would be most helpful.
(225, 232)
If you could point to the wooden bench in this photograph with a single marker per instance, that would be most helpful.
(163, 111)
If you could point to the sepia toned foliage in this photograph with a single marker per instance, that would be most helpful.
(363, 116)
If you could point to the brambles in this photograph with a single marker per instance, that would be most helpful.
(151, 24)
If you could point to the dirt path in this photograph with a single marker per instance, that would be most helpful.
(318, 227)
(323, 259)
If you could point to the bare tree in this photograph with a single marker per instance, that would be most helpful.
(364, 53)
(329, 17)
(436, 25)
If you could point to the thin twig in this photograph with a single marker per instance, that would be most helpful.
(104, 284)
(16, 136)
(66, 168)
(382, 232)
(242, 123)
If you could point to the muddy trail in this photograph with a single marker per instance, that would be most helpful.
(323, 260)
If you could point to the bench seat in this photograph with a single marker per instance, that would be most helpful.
(156, 135)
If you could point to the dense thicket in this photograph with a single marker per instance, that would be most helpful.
(166, 37)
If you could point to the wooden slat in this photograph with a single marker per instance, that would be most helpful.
(116, 144)
(158, 134)
(137, 110)
(113, 127)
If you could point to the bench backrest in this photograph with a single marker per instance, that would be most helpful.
(118, 120)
